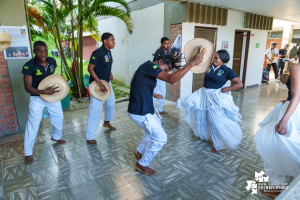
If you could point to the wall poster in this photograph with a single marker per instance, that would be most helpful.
(20, 46)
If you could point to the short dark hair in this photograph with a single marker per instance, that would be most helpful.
(105, 36)
(39, 43)
(163, 39)
(224, 55)
(274, 43)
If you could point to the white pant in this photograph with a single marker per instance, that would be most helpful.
(95, 111)
(154, 139)
(160, 89)
(36, 106)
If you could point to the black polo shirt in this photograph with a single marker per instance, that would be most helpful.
(282, 52)
(158, 52)
(103, 60)
(38, 72)
(143, 83)
(215, 79)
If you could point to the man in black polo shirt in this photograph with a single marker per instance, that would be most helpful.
(35, 70)
(160, 89)
(100, 69)
(282, 55)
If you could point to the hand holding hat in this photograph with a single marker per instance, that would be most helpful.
(99, 93)
(55, 88)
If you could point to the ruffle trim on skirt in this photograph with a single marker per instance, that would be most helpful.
(281, 153)
(212, 115)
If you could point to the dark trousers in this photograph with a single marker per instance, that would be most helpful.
(274, 65)
(281, 66)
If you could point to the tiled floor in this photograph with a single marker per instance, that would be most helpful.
(186, 168)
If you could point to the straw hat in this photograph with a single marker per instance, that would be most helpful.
(97, 93)
(195, 46)
(284, 78)
(5, 41)
(56, 81)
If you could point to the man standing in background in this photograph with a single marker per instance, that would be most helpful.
(282, 55)
(272, 52)
(160, 89)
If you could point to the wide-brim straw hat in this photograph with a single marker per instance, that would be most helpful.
(284, 78)
(54, 80)
(195, 46)
(5, 41)
(94, 89)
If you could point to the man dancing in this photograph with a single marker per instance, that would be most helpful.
(141, 109)
(160, 89)
(35, 70)
(100, 68)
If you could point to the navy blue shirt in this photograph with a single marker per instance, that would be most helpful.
(103, 60)
(215, 79)
(38, 72)
(143, 83)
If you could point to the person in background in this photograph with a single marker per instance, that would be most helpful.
(294, 60)
(160, 89)
(268, 56)
(282, 56)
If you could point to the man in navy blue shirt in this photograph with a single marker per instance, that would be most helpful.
(35, 70)
(141, 109)
(100, 69)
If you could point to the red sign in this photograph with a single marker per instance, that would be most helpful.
(252, 35)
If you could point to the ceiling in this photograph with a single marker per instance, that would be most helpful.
(288, 10)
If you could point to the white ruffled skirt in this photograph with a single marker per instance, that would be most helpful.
(212, 115)
(281, 154)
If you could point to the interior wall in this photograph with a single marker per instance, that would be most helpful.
(12, 13)
(133, 50)
(227, 33)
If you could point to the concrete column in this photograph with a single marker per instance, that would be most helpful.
(287, 35)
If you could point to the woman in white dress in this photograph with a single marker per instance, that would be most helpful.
(210, 111)
(278, 139)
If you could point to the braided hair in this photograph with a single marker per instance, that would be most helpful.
(172, 58)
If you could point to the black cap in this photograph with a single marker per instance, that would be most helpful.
(274, 43)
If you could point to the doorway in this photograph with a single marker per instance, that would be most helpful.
(209, 34)
(240, 54)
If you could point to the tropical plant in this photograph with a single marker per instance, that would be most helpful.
(64, 21)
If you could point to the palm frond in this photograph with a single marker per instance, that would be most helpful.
(122, 2)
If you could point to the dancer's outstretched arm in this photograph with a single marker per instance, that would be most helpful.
(173, 78)
(295, 90)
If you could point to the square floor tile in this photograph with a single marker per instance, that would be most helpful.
(78, 177)
(89, 191)
(166, 194)
(225, 191)
(147, 185)
(203, 179)
(16, 172)
(186, 189)
(127, 192)
(168, 176)
(23, 193)
(112, 182)
(52, 188)
(45, 175)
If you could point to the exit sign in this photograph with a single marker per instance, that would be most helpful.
(252, 35)
(257, 45)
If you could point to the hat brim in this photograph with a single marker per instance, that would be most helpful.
(54, 80)
(195, 46)
(5, 41)
(95, 91)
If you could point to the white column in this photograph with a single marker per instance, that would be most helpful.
(287, 35)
